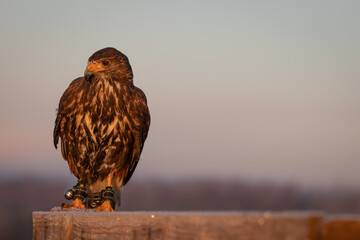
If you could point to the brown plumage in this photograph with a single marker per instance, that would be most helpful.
(103, 121)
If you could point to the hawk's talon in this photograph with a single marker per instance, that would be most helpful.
(105, 207)
(77, 203)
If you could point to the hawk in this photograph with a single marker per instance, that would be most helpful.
(102, 121)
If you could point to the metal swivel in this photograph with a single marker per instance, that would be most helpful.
(77, 191)
(69, 194)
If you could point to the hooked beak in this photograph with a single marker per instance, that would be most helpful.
(91, 69)
(88, 75)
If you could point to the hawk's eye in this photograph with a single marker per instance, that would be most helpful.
(105, 62)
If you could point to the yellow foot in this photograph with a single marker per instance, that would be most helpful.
(105, 207)
(76, 203)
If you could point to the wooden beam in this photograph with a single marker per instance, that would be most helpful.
(176, 225)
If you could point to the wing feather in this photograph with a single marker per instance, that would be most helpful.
(66, 104)
(141, 115)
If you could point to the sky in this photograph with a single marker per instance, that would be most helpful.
(254, 90)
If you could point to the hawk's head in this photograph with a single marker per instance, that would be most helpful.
(108, 63)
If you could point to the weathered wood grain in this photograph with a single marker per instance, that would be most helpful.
(176, 225)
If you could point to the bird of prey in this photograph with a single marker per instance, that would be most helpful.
(102, 121)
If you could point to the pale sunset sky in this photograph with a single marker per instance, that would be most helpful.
(259, 90)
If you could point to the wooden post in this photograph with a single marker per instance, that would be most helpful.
(75, 225)
(344, 227)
